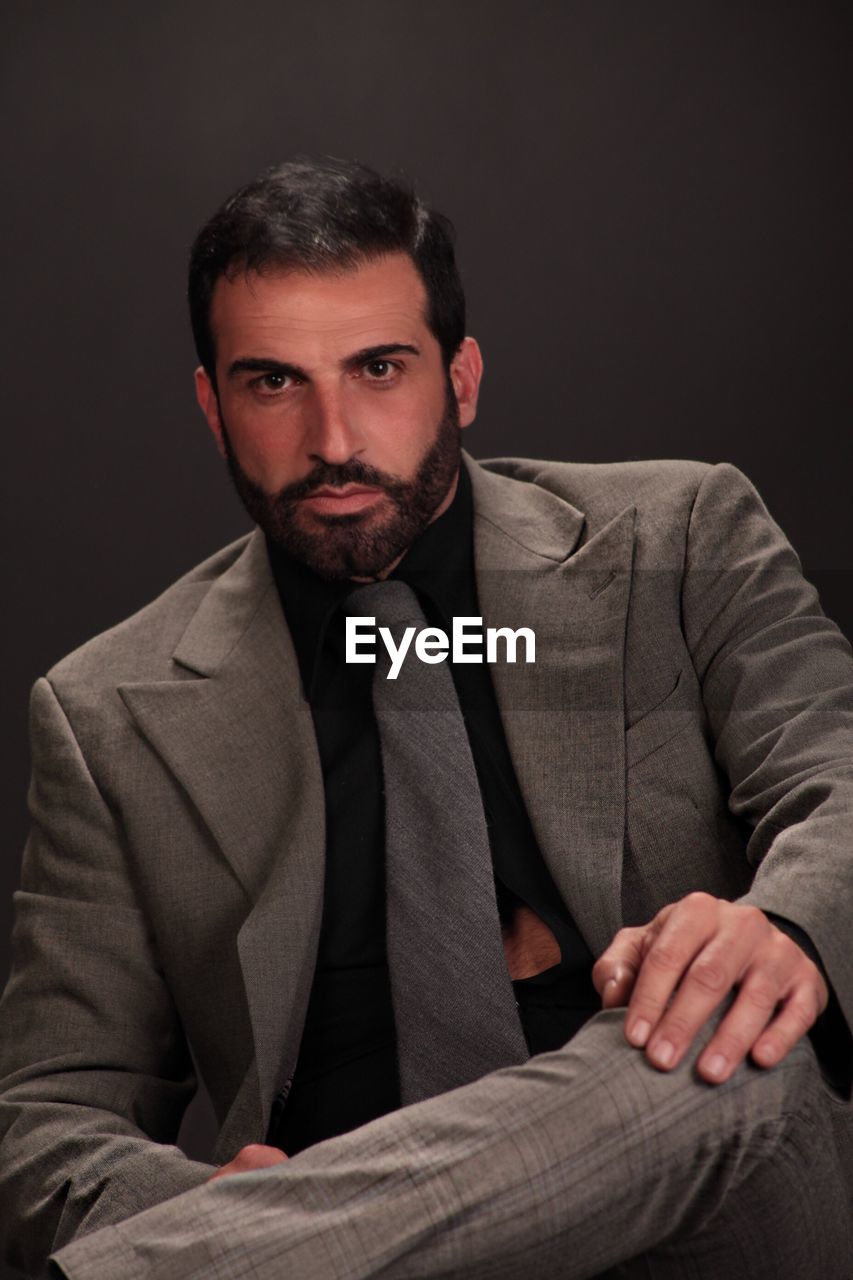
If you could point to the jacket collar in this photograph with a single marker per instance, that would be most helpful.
(511, 519)
(240, 740)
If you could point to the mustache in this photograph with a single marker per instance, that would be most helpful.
(338, 474)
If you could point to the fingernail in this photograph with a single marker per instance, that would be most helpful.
(716, 1066)
(663, 1053)
(610, 986)
(639, 1033)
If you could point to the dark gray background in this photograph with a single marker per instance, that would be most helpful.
(653, 204)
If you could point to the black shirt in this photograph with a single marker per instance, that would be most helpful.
(346, 1072)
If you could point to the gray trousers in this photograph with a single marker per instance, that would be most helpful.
(580, 1163)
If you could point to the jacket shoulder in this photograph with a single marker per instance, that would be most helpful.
(609, 485)
(140, 647)
(673, 498)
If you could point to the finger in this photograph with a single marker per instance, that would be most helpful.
(614, 972)
(683, 935)
(618, 987)
(752, 1011)
(729, 958)
(254, 1156)
(797, 1015)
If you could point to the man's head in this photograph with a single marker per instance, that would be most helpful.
(335, 374)
(324, 216)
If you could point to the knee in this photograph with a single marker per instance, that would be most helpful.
(754, 1101)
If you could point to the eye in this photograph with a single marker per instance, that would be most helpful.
(380, 370)
(272, 383)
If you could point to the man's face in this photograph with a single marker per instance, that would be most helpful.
(335, 411)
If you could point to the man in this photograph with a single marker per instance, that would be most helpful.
(220, 793)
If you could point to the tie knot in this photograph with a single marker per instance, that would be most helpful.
(391, 602)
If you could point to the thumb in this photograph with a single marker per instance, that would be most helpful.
(616, 969)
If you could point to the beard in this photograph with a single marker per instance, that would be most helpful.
(356, 544)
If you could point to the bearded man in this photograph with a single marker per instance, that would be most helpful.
(495, 969)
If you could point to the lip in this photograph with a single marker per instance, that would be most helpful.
(341, 501)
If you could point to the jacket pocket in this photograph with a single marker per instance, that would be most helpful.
(660, 723)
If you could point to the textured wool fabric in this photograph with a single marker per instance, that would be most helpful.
(576, 1162)
(454, 1007)
(685, 681)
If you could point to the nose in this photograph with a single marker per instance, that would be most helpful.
(332, 435)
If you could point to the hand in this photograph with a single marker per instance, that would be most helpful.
(255, 1156)
(674, 972)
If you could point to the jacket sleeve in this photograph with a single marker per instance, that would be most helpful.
(777, 678)
(94, 1069)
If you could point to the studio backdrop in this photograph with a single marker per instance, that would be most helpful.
(653, 210)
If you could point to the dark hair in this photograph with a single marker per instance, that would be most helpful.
(319, 216)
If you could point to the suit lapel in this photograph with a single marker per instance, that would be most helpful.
(240, 739)
(563, 715)
(236, 732)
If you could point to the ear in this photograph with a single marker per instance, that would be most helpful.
(208, 402)
(466, 370)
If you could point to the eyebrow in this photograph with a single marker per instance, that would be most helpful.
(267, 364)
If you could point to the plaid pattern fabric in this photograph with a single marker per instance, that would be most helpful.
(571, 1164)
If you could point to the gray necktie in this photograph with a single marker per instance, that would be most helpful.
(454, 1007)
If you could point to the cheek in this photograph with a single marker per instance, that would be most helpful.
(266, 448)
(400, 432)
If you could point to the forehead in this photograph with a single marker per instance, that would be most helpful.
(312, 313)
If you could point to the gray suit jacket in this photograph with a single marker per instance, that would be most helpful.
(688, 724)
